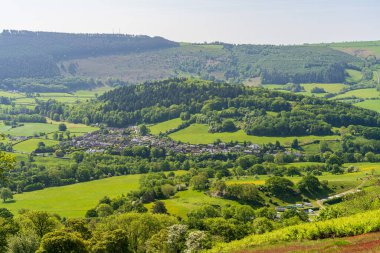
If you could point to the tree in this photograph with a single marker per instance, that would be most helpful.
(177, 237)
(198, 241)
(199, 182)
(6, 193)
(115, 241)
(25, 242)
(104, 210)
(159, 207)
(7, 163)
(62, 242)
(279, 186)
(144, 130)
(41, 222)
(309, 184)
(5, 213)
(229, 126)
(62, 127)
(295, 144)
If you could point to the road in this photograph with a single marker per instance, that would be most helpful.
(353, 190)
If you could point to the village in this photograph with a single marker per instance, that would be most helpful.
(119, 139)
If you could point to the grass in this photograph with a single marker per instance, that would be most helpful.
(29, 129)
(362, 243)
(9, 94)
(165, 126)
(370, 104)
(360, 93)
(328, 87)
(30, 145)
(353, 76)
(198, 134)
(73, 200)
(185, 201)
(362, 49)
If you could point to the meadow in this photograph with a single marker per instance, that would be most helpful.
(362, 49)
(165, 126)
(185, 201)
(73, 200)
(370, 104)
(353, 76)
(198, 134)
(360, 93)
(30, 145)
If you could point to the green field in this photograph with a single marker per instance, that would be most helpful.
(328, 87)
(188, 200)
(165, 126)
(73, 200)
(30, 145)
(29, 129)
(370, 104)
(360, 93)
(362, 49)
(198, 134)
(354, 76)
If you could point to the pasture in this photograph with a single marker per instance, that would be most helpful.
(165, 126)
(198, 134)
(30, 145)
(370, 104)
(185, 201)
(362, 49)
(360, 93)
(73, 200)
(353, 76)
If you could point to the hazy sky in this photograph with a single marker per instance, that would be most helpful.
(234, 21)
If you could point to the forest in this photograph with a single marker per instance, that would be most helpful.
(215, 104)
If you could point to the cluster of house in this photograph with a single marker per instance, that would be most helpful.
(305, 206)
(121, 138)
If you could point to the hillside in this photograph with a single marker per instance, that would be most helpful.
(142, 58)
(224, 107)
(272, 64)
(36, 54)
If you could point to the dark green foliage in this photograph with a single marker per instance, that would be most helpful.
(159, 207)
(279, 186)
(215, 104)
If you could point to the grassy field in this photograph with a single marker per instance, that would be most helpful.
(30, 145)
(198, 134)
(165, 126)
(360, 93)
(353, 76)
(370, 104)
(73, 200)
(362, 49)
(188, 200)
(328, 87)
(29, 129)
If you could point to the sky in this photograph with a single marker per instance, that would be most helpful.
(231, 21)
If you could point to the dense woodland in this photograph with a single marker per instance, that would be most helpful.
(224, 107)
